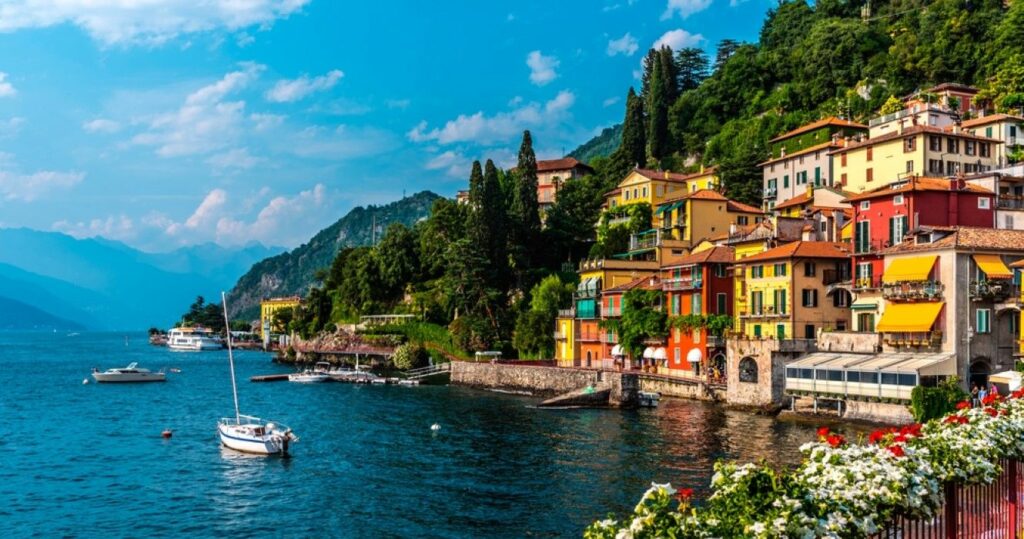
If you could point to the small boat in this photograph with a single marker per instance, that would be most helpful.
(308, 377)
(193, 339)
(131, 373)
(648, 399)
(250, 434)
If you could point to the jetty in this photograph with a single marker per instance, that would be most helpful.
(269, 378)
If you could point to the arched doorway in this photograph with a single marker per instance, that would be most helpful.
(748, 370)
(979, 371)
(718, 367)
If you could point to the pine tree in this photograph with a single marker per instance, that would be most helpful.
(657, 114)
(633, 150)
(524, 213)
(645, 79)
(692, 65)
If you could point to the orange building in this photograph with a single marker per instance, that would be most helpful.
(698, 284)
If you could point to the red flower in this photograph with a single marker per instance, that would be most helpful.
(912, 430)
(896, 450)
(877, 436)
(1017, 394)
(684, 494)
(823, 432)
(956, 419)
(991, 411)
(835, 440)
(900, 438)
(991, 399)
(963, 405)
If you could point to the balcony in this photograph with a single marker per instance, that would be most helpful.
(913, 341)
(913, 291)
(715, 342)
(993, 290)
(559, 336)
(645, 240)
(766, 312)
(831, 277)
(869, 282)
(566, 313)
(589, 336)
(682, 283)
(1010, 202)
(612, 312)
(868, 247)
(771, 192)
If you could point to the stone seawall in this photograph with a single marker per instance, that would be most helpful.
(681, 389)
(892, 414)
(540, 381)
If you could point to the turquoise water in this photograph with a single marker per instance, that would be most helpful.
(88, 460)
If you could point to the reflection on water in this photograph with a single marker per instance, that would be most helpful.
(367, 465)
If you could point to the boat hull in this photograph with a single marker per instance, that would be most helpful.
(201, 346)
(129, 378)
(264, 445)
(308, 378)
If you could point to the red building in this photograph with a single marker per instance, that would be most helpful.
(613, 356)
(697, 284)
(882, 217)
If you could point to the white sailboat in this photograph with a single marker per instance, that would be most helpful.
(247, 433)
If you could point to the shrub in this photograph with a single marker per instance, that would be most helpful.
(409, 356)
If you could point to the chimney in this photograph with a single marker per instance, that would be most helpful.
(666, 174)
(782, 152)
(835, 137)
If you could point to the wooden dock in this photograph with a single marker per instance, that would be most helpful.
(269, 378)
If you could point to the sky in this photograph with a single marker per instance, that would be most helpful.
(163, 123)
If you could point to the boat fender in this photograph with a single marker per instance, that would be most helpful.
(435, 427)
(85, 381)
(167, 433)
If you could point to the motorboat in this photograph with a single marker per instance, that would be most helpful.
(131, 373)
(648, 399)
(250, 434)
(194, 339)
(309, 377)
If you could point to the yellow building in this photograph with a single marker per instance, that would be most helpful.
(920, 149)
(566, 352)
(269, 307)
(702, 214)
(654, 186)
(787, 292)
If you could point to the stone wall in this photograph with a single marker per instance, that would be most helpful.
(839, 341)
(770, 357)
(892, 414)
(682, 389)
(541, 381)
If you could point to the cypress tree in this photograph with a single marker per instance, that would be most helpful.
(657, 123)
(645, 79)
(633, 150)
(524, 213)
(494, 219)
(670, 74)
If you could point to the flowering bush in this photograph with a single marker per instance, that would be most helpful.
(840, 490)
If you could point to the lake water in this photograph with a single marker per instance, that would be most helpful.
(88, 460)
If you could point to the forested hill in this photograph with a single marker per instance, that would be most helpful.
(602, 145)
(293, 272)
(835, 57)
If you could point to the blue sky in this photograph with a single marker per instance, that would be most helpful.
(164, 123)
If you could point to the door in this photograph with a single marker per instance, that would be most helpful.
(866, 322)
(780, 332)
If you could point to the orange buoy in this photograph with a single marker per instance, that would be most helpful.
(166, 433)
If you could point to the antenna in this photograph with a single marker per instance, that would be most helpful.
(231, 357)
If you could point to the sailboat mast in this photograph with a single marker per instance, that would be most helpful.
(231, 358)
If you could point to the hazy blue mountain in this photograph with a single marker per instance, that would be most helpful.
(109, 285)
(293, 272)
(17, 315)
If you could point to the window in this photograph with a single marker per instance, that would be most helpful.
(909, 144)
(741, 220)
(695, 303)
(645, 192)
(785, 180)
(897, 229)
(907, 380)
(817, 176)
(627, 194)
(862, 235)
(871, 153)
(984, 203)
(865, 205)
(748, 369)
(634, 193)
(1013, 131)
(952, 145)
(988, 132)
(842, 179)
(897, 200)
(935, 143)
(969, 146)
(842, 159)
(756, 302)
(910, 165)
(869, 175)
(780, 331)
(890, 378)
(757, 330)
(780, 270)
(985, 149)
(982, 318)
(756, 272)
(840, 325)
(935, 166)
(801, 159)
(721, 270)
(678, 356)
(809, 334)
(675, 304)
(809, 269)
(780, 301)
(840, 299)
(810, 297)
(852, 376)
(721, 303)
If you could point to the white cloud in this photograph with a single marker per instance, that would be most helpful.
(283, 221)
(678, 39)
(16, 186)
(484, 129)
(288, 91)
(626, 45)
(205, 122)
(121, 228)
(398, 103)
(6, 88)
(244, 39)
(340, 143)
(453, 163)
(237, 158)
(263, 122)
(101, 125)
(124, 22)
(684, 8)
(610, 101)
(11, 126)
(542, 68)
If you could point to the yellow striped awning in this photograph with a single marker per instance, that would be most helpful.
(993, 266)
(909, 317)
(909, 269)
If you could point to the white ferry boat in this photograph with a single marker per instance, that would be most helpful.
(194, 339)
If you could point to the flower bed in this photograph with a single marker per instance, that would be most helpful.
(842, 489)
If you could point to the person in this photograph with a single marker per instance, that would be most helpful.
(982, 394)
(994, 390)
(974, 395)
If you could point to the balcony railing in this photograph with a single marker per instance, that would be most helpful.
(913, 291)
(614, 311)
(771, 192)
(870, 246)
(868, 282)
(767, 311)
(831, 276)
(559, 336)
(1010, 203)
(644, 241)
(993, 290)
(682, 283)
(567, 313)
(589, 336)
(929, 339)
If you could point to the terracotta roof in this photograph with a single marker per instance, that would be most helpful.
(953, 86)
(702, 194)
(667, 175)
(909, 131)
(804, 198)
(917, 183)
(615, 191)
(734, 206)
(643, 282)
(990, 119)
(805, 151)
(802, 249)
(966, 238)
(566, 163)
(832, 120)
(713, 255)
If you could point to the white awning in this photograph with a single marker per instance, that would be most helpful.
(659, 353)
(617, 350)
(694, 355)
(922, 364)
(648, 353)
(1012, 379)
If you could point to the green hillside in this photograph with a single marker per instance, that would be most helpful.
(602, 145)
(293, 272)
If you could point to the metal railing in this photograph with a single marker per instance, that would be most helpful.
(558, 335)
(926, 339)
(994, 290)
(1007, 203)
(588, 336)
(567, 313)
(831, 276)
(612, 311)
(869, 282)
(870, 246)
(682, 283)
(913, 290)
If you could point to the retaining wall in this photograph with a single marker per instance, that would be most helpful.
(541, 381)
(892, 414)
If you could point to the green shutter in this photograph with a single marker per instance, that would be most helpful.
(785, 180)
(892, 231)
(817, 176)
